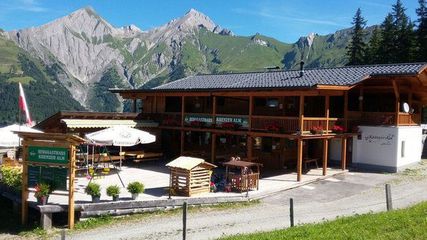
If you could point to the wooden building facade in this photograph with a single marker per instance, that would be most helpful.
(281, 118)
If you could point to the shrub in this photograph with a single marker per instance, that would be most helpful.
(113, 191)
(11, 177)
(93, 189)
(135, 187)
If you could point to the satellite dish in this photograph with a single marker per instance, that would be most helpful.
(405, 107)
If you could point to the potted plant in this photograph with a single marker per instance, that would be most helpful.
(113, 191)
(135, 188)
(316, 130)
(42, 193)
(338, 129)
(94, 190)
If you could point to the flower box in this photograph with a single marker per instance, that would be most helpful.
(273, 127)
(316, 130)
(338, 129)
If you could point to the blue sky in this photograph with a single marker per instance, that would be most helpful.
(285, 20)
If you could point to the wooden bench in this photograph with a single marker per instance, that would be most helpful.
(140, 156)
(310, 160)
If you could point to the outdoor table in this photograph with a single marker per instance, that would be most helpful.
(245, 180)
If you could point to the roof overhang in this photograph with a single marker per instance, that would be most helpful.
(106, 123)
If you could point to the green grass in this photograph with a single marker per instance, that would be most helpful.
(410, 223)
(107, 220)
(23, 80)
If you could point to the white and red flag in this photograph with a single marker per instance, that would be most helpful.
(23, 105)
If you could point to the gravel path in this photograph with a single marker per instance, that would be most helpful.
(342, 195)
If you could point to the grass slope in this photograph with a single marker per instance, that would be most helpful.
(410, 223)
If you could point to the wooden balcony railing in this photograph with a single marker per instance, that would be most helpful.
(285, 124)
(407, 119)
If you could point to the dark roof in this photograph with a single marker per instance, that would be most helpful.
(337, 76)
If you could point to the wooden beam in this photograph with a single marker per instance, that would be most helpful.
(71, 172)
(361, 91)
(182, 141)
(251, 112)
(346, 111)
(299, 159)
(24, 190)
(325, 157)
(397, 95)
(396, 90)
(213, 149)
(327, 113)
(213, 109)
(182, 111)
(249, 147)
(301, 114)
(343, 153)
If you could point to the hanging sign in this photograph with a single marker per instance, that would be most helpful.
(48, 154)
(242, 121)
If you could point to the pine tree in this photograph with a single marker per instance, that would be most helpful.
(404, 34)
(387, 48)
(372, 50)
(356, 48)
(421, 32)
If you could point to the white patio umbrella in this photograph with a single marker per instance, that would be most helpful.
(121, 136)
(9, 139)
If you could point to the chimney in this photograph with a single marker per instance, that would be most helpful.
(301, 69)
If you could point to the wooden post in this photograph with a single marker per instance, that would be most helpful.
(184, 221)
(343, 153)
(182, 141)
(325, 156)
(71, 171)
(182, 110)
(388, 197)
(301, 114)
(291, 211)
(346, 111)
(251, 111)
(213, 145)
(134, 105)
(24, 202)
(182, 123)
(327, 113)
(361, 99)
(397, 96)
(214, 109)
(299, 163)
(249, 148)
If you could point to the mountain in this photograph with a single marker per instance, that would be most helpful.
(87, 55)
(45, 94)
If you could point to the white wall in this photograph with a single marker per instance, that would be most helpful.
(412, 138)
(380, 147)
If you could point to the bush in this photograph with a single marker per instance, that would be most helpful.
(11, 177)
(113, 191)
(135, 187)
(93, 189)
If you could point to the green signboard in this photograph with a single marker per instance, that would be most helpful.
(242, 121)
(48, 154)
(189, 118)
(56, 177)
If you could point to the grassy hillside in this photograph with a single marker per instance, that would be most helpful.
(410, 223)
(45, 95)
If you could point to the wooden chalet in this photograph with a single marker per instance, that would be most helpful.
(281, 118)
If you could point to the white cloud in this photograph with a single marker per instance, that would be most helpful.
(23, 5)
(266, 13)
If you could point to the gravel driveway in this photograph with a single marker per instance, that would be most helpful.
(347, 194)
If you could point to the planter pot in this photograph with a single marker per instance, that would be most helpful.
(116, 198)
(42, 200)
(96, 199)
(316, 132)
(135, 196)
